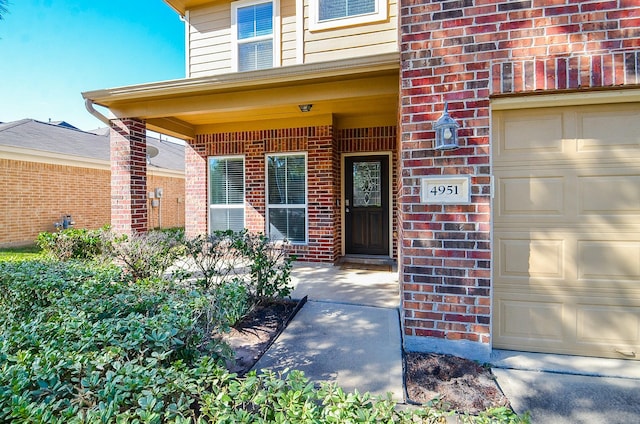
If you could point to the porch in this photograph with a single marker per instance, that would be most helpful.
(357, 284)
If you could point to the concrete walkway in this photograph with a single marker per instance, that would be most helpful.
(348, 332)
(566, 389)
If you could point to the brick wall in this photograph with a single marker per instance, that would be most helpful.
(170, 212)
(195, 192)
(323, 146)
(462, 52)
(36, 194)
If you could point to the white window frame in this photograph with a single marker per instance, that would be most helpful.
(275, 35)
(297, 206)
(315, 24)
(232, 205)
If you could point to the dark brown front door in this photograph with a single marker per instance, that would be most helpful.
(367, 205)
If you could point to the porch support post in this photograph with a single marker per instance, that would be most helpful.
(129, 212)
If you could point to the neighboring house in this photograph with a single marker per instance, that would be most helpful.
(313, 120)
(50, 170)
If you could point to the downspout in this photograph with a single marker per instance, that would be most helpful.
(88, 103)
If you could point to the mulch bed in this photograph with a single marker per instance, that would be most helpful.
(458, 383)
(251, 337)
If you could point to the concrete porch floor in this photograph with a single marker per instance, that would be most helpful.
(345, 284)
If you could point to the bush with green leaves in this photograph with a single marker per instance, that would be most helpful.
(215, 258)
(263, 266)
(144, 255)
(72, 243)
(269, 264)
(84, 344)
(76, 339)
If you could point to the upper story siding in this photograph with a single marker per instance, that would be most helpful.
(210, 41)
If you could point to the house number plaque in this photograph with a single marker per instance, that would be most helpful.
(445, 189)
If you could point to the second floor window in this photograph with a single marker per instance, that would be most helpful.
(330, 14)
(254, 35)
(336, 9)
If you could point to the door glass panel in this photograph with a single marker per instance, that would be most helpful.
(367, 184)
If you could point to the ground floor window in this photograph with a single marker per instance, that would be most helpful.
(287, 197)
(226, 193)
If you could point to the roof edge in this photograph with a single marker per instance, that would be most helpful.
(247, 80)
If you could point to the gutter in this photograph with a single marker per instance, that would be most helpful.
(88, 104)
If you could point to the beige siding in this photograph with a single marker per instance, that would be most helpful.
(358, 40)
(288, 37)
(210, 41)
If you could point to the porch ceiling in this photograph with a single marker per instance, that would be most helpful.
(341, 92)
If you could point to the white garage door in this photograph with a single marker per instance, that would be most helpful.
(567, 230)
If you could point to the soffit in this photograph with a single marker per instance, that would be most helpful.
(181, 6)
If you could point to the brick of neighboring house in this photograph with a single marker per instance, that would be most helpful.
(36, 195)
(323, 146)
(170, 210)
(463, 52)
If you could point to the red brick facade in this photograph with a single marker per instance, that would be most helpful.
(323, 146)
(129, 212)
(462, 52)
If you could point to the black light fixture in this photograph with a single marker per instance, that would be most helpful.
(446, 131)
(305, 108)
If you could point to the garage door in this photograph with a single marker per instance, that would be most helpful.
(567, 230)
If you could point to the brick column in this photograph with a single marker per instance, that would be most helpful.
(254, 148)
(322, 195)
(128, 176)
(445, 249)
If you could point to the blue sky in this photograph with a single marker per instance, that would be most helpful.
(52, 50)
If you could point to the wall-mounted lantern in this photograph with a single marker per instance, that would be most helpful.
(446, 131)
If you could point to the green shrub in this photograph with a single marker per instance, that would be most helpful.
(270, 266)
(214, 257)
(264, 267)
(71, 243)
(144, 255)
(82, 344)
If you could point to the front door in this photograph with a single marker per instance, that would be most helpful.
(367, 205)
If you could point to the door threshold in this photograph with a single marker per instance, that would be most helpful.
(373, 262)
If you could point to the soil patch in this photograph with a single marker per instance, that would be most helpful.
(251, 337)
(458, 383)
